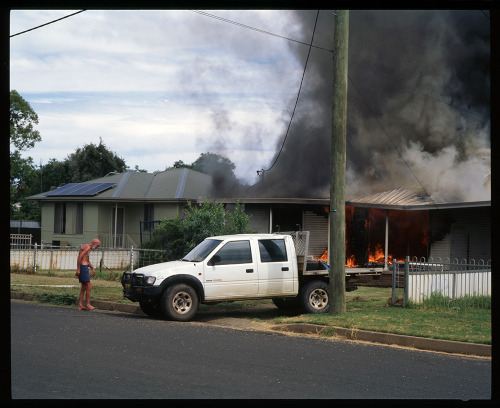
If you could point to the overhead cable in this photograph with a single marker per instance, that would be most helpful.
(257, 29)
(50, 22)
(298, 94)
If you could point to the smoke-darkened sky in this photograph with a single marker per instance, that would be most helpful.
(418, 98)
(158, 86)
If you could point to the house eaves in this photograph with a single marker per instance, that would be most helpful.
(398, 199)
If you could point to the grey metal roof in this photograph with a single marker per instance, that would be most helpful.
(170, 185)
(397, 196)
(397, 199)
(24, 224)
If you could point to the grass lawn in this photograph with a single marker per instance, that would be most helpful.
(366, 308)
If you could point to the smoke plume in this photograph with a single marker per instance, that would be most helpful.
(418, 98)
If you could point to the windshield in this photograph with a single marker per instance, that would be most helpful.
(201, 251)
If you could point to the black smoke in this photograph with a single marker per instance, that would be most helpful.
(419, 84)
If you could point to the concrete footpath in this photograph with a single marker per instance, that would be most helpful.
(420, 343)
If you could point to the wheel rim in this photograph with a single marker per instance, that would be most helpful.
(318, 299)
(182, 302)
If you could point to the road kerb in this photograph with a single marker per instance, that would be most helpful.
(421, 343)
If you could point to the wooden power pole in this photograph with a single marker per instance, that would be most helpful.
(336, 250)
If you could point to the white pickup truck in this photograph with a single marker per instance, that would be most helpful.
(229, 268)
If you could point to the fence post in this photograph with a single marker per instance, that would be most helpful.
(394, 281)
(34, 260)
(131, 259)
(51, 258)
(407, 273)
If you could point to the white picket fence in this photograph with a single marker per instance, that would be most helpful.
(443, 280)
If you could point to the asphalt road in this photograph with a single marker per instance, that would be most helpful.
(61, 352)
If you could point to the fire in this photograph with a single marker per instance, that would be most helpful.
(378, 255)
(324, 257)
(350, 262)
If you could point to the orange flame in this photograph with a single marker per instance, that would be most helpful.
(350, 262)
(378, 255)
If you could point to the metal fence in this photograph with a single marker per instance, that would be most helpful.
(443, 283)
(37, 257)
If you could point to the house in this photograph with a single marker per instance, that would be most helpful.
(120, 210)
(117, 208)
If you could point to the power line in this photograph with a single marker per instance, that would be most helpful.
(257, 29)
(50, 22)
(298, 94)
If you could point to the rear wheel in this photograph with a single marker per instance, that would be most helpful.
(314, 297)
(179, 302)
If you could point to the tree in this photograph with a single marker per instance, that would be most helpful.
(179, 164)
(86, 163)
(91, 161)
(24, 181)
(22, 118)
(203, 221)
(214, 164)
(24, 178)
(178, 236)
(169, 236)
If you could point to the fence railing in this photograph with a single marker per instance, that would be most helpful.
(35, 257)
(20, 240)
(443, 283)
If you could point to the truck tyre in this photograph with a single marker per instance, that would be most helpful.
(314, 297)
(286, 303)
(179, 302)
(150, 308)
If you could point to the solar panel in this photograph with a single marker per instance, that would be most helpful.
(80, 189)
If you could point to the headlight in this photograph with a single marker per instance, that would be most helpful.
(149, 280)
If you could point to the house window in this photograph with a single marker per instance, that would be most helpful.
(60, 218)
(68, 218)
(149, 216)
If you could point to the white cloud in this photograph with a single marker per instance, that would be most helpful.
(156, 86)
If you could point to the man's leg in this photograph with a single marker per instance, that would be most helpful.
(88, 305)
(82, 291)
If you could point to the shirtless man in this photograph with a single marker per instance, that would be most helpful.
(82, 271)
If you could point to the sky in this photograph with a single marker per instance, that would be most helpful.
(157, 86)
(166, 85)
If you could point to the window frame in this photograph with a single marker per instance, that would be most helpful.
(284, 252)
(242, 260)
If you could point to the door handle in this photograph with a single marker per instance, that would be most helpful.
(249, 270)
(284, 268)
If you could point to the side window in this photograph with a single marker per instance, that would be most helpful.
(236, 252)
(272, 250)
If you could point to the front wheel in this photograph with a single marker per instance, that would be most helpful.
(179, 302)
(152, 309)
(314, 297)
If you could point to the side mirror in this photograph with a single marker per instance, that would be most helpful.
(215, 259)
